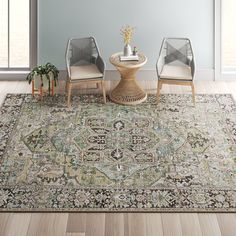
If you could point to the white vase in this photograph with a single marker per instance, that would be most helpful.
(38, 82)
(127, 50)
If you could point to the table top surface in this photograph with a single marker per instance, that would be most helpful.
(115, 60)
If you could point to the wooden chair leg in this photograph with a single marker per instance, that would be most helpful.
(66, 87)
(69, 94)
(159, 85)
(193, 93)
(104, 91)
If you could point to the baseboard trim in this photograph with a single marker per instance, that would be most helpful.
(205, 74)
(202, 75)
(227, 77)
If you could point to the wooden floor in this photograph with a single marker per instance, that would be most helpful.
(132, 224)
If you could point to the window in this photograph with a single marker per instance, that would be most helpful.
(225, 39)
(228, 35)
(17, 34)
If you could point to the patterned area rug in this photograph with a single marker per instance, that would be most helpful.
(93, 157)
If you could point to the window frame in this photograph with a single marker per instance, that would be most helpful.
(11, 71)
(218, 40)
(219, 73)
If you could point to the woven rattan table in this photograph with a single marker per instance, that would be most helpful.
(128, 92)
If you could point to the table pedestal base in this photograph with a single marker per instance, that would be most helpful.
(128, 92)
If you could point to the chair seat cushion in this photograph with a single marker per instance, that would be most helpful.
(85, 72)
(176, 72)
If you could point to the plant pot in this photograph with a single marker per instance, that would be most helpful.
(127, 50)
(38, 82)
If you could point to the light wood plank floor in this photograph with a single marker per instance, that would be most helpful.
(127, 224)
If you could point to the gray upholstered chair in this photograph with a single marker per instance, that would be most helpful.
(176, 64)
(84, 64)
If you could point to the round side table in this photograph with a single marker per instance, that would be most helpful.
(128, 92)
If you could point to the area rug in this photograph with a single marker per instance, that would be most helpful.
(171, 157)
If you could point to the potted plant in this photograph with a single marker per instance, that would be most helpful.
(42, 76)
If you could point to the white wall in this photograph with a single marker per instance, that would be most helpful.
(154, 19)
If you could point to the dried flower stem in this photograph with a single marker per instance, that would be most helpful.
(127, 33)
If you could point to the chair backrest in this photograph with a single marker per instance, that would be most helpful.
(81, 51)
(176, 51)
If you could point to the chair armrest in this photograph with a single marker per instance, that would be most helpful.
(159, 65)
(100, 64)
(67, 57)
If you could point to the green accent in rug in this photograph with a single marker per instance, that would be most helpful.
(95, 157)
